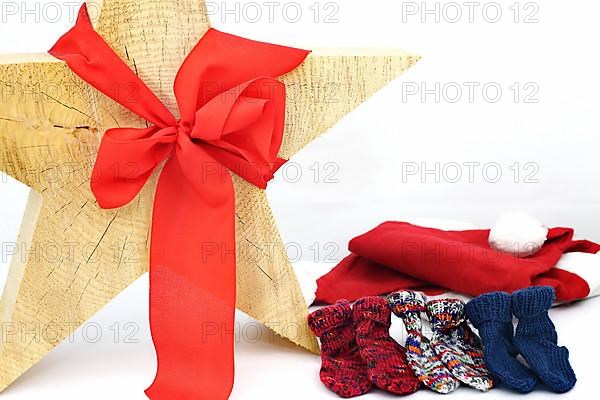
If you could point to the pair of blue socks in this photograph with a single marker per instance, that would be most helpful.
(535, 339)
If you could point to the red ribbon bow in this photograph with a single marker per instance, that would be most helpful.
(232, 118)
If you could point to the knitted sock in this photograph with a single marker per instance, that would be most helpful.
(385, 358)
(428, 368)
(456, 344)
(490, 314)
(343, 371)
(536, 338)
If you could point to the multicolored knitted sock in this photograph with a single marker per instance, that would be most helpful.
(456, 344)
(536, 338)
(343, 370)
(385, 358)
(427, 366)
(490, 314)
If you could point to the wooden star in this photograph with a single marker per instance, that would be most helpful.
(75, 257)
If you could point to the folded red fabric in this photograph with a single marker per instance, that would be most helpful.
(399, 255)
(356, 277)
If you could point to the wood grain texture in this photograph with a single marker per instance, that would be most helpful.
(74, 257)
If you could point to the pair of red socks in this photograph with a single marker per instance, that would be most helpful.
(357, 350)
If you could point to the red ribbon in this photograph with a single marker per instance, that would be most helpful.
(232, 118)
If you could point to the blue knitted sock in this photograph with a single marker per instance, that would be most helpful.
(491, 315)
(536, 338)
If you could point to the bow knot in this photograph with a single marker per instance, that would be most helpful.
(183, 128)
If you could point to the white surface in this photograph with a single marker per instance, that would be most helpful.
(366, 167)
(267, 369)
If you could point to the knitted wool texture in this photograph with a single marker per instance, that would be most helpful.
(491, 315)
(343, 370)
(536, 338)
(456, 344)
(427, 366)
(385, 358)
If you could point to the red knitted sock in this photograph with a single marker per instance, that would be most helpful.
(385, 358)
(343, 370)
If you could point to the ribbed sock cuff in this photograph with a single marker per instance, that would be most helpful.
(490, 307)
(373, 308)
(406, 301)
(446, 314)
(327, 318)
(532, 301)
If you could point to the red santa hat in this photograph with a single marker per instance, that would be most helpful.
(518, 252)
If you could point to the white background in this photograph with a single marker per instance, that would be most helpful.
(554, 60)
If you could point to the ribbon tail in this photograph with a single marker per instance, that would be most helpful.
(193, 287)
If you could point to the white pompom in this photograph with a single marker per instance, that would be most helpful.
(519, 234)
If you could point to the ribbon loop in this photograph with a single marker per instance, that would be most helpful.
(85, 52)
(220, 62)
(245, 129)
(232, 119)
(126, 159)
